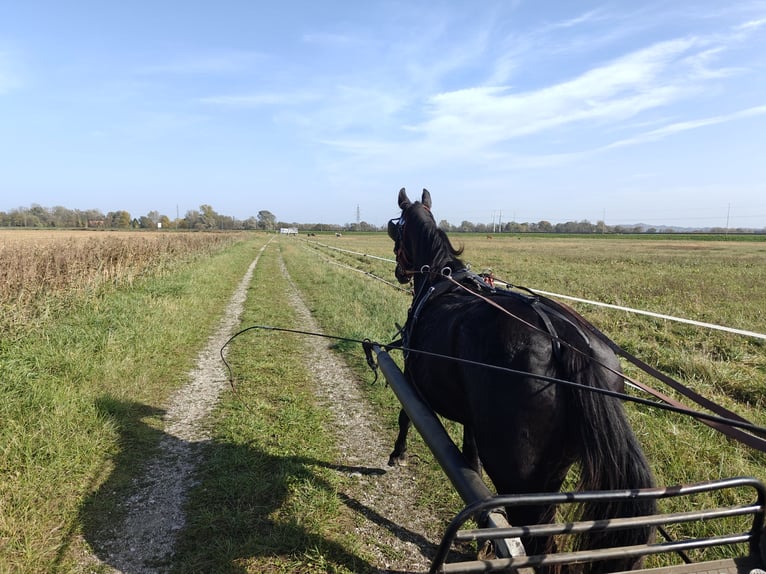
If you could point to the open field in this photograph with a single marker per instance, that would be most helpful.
(37, 264)
(718, 282)
(86, 372)
(86, 366)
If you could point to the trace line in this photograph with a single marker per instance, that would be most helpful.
(597, 303)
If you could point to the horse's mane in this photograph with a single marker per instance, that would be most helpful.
(436, 246)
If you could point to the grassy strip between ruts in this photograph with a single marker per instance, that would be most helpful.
(352, 305)
(266, 501)
(81, 395)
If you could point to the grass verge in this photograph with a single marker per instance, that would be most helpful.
(81, 395)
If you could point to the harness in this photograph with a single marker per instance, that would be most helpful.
(464, 279)
(545, 309)
(452, 281)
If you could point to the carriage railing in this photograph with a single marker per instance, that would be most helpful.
(753, 537)
(488, 509)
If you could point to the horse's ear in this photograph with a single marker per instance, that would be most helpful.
(426, 200)
(404, 201)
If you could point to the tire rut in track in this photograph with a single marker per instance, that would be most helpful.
(390, 526)
(144, 540)
(383, 500)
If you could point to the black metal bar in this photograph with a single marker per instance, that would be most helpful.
(608, 495)
(753, 537)
(466, 481)
(611, 524)
(582, 556)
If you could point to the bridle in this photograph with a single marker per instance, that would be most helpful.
(395, 228)
(396, 232)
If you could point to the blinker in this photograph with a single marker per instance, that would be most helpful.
(394, 228)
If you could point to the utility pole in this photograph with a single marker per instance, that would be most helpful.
(728, 213)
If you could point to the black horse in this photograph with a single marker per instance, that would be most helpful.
(526, 432)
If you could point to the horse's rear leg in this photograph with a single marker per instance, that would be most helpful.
(399, 455)
(470, 450)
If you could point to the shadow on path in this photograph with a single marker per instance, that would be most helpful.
(243, 509)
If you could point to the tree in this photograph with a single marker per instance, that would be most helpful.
(192, 220)
(208, 216)
(250, 223)
(364, 226)
(118, 219)
(266, 219)
(63, 217)
(154, 216)
(145, 223)
(543, 226)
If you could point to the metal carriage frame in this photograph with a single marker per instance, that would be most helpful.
(483, 506)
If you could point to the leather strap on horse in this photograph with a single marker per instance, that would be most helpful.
(750, 440)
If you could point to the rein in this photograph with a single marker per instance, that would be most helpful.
(368, 344)
(753, 441)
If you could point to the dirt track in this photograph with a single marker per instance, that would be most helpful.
(393, 535)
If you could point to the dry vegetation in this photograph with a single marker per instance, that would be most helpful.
(35, 264)
(97, 329)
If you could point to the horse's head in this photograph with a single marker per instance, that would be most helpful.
(418, 241)
(404, 244)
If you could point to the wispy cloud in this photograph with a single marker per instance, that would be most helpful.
(586, 18)
(751, 25)
(511, 161)
(616, 90)
(679, 127)
(329, 39)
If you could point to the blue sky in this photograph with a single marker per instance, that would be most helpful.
(628, 112)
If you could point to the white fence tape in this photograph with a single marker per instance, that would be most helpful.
(597, 303)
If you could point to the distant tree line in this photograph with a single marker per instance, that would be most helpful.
(206, 218)
(579, 227)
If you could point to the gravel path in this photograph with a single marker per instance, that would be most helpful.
(393, 531)
(154, 513)
(381, 500)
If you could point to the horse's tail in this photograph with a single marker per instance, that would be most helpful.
(610, 459)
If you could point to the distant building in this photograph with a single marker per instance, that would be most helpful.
(288, 230)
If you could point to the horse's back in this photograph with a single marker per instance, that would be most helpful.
(518, 420)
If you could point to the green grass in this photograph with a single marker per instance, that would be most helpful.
(267, 499)
(83, 385)
(81, 395)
